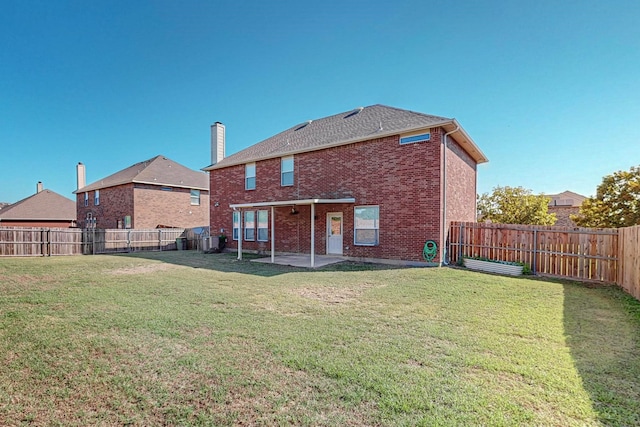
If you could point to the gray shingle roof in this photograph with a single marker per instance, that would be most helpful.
(158, 170)
(351, 126)
(45, 205)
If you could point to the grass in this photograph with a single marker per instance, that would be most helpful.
(183, 338)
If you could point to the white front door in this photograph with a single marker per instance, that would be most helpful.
(334, 233)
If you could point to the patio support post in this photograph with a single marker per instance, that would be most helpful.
(313, 234)
(240, 237)
(273, 235)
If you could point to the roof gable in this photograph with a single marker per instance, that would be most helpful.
(158, 170)
(357, 125)
(45, 205)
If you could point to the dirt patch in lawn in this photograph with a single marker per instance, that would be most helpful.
(333, 294)
(142, 269)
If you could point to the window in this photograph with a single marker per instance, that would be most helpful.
(96, 198)
(236, 225)
(286, 171)
(250, 176)
(249, 225)
(195, 197)
(86, 199)
(366, 225)
(415, 138)
(263, 226)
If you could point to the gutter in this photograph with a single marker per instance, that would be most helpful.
(443, 217)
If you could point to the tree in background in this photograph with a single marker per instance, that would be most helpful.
(616, 203)
(515, 205)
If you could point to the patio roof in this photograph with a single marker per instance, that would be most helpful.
(291, 202)
(273, 204)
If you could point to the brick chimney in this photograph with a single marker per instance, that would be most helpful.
(39, 187)
(217, 142)
(82, 175)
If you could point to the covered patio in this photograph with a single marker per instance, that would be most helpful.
(273, 204)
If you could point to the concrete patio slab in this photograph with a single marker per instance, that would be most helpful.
(301, 260)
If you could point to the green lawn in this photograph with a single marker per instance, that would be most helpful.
(183, 338)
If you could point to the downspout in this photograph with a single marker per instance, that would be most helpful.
(443, 217)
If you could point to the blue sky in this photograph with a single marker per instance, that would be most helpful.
(549, 90)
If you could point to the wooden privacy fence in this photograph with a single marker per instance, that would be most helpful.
(608, 255)
(629, 260)
(24, 241)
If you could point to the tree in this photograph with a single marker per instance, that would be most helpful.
(616, 203)
(515, 205)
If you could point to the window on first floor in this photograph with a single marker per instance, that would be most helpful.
(236, 225)
(366, 224)
(263, 226)
(249, 225)
(195, 197)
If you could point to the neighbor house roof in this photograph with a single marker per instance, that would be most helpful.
(566, 198)
(361, 124)
(45, 205)
(158, 170)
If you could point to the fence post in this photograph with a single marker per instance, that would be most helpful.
(160, 239)
(535, 251)
(460, 242)
(129, 240)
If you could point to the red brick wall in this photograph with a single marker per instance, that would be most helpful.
(404, 181)
(148, 206)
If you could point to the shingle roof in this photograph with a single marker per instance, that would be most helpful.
(158, 170)
(45, 205)
(351, 126)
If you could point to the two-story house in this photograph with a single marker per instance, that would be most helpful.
(374, 184)
(154, 193)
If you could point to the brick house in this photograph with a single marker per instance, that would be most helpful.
(154, 193)
(564, 205)
(45, 208)
(373, 184)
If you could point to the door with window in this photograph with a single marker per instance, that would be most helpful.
(334, 233)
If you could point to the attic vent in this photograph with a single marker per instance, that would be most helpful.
(354, 112)
(304, 125)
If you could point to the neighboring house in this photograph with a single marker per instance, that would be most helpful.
(155, 193)
(46, 208)
(564, 205)
(369, 184)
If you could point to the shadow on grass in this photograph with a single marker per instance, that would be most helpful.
(602, 328)
(228, 263)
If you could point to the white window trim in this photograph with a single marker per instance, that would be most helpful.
(235, 231)
(282, 171)
(377, 228)
(191, 194)
(258, 228)
(247, 177)
(249, 228)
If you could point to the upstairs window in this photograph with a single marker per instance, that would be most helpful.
(250, 176)
(366, 223)
(86, 199)
(96, 198)
(195, 197)
(425, 137)
(286, 171)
